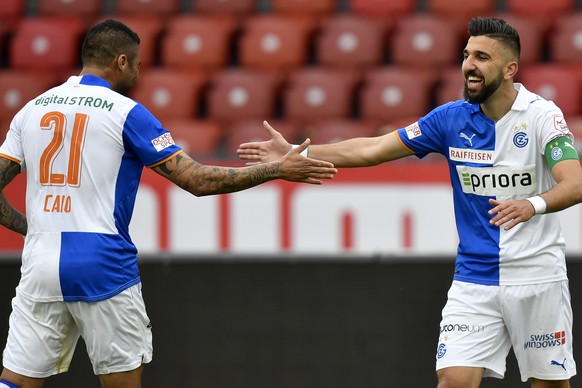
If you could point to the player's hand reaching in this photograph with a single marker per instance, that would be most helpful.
(298, 168)
(264, 151)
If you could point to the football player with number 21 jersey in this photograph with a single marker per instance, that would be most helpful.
(512, 166)
(84, 145)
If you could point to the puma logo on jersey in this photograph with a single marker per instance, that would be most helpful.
(469, 139)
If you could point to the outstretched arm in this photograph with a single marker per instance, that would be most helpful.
(10, 217)
(201, 180)
(356, 152)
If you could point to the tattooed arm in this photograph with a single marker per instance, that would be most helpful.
(201, 180)
(9, 216)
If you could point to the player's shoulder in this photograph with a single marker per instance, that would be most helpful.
(527, 100)
(454, 110)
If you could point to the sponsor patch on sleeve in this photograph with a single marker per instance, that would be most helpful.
(162, 142)
(560, 124)
(413, 130)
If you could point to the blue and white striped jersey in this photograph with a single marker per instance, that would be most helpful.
(84, 147)
(502, 160)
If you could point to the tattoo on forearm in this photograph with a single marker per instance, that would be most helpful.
(205, 180)
(10, 217)
(8, 170)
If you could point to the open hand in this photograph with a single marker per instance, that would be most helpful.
(264, 151)
(297, 168)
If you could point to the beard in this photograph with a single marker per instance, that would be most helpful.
(125, 85)
(486, 91)
(124, 88)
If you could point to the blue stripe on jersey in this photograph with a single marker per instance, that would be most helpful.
(126, 188)
(139, 130)
(89, 79)
(463, 126)
(478, 251)
(4, 383)
(96, 266)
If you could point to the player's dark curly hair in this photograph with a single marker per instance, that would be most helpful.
(106, 40)
(497, 29)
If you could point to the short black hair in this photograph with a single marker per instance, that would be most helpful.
(497, 29)
(106, 40)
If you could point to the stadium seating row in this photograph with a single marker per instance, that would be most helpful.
(379, 8)
(385, 98)
(225, 66)
(280, 41)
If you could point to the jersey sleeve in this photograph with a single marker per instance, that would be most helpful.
(12, 148)
(551, 125)
(144, 134)
(424, 136)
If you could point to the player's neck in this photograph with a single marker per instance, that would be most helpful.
(499, 103)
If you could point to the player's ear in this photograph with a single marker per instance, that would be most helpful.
(122, 62)
(511, 70)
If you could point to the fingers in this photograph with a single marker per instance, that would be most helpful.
(248, 154)
(272, 131)
(322, 164)
(313, 181)
(300, 148)
(509, 213)
(318, 179)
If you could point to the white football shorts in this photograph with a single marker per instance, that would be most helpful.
(481, 323)
(42, 335)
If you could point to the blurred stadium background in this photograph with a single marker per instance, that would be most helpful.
(328, 69)
(214, 69)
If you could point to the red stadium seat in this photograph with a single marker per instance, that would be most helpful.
(396, 124)
(240, 93)
(12, 9)
(566, 40)
(17, 87)
(4, 127)
(450, 86)
(384, 9)
(318, 93)
(87, 8)
(338, 129)
(225, 6)
(350, 40)
(389, 93)
(47, 43)
(303, 7)
(201, 41)
(274, 42)
(540, 8)
(198, 138)
(426, 41)
(168, 93)
(532, 33)
(461, 9)
(147, 7)
(560, 84)
(250, 130)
